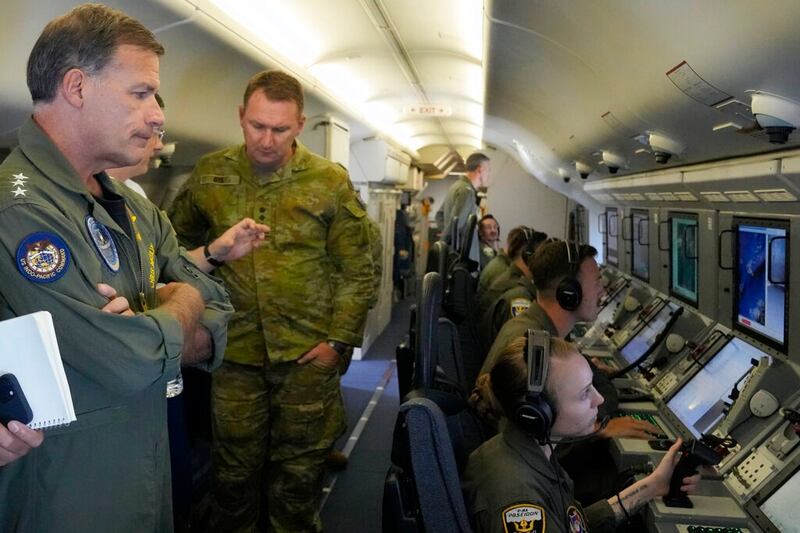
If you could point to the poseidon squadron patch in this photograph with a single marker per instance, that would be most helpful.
(519, 306)
(524, 518)
(42, 257)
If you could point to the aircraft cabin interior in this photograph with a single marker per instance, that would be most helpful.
(663, 134)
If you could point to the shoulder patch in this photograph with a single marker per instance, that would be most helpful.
(577, 524)
(103, 243)
(519, 306)
(43, 257)
(524, 518)
(219, 180)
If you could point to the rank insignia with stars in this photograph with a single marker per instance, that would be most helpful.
(104, 243)
(18, 182)
(42, 257)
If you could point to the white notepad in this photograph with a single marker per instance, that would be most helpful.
(28, 349)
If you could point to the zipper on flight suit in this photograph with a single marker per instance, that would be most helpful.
(136, 238)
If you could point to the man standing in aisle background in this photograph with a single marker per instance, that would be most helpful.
(462, 198)
(301, 302)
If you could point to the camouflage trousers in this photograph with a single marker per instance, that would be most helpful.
(273, 427)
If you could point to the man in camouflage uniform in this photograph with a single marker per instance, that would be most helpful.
(301, 301)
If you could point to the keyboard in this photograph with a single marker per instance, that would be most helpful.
(643, 416)
(713, 529)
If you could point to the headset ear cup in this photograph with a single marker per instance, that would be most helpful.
(534, 416)
(569, 293)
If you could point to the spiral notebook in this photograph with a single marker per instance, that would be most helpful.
(29, 350)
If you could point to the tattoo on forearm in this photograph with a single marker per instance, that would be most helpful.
(633, 500)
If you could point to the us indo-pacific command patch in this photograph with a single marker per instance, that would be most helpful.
(524, 518)
(42, 257)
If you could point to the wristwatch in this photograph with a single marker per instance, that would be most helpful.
(339, 347)
(211, 260)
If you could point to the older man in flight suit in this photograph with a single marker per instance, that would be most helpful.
(90, 251)
(301, 301)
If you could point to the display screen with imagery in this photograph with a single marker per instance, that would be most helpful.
(683, 257)
(761, 276)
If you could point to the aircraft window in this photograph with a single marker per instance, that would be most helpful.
(699, 404)
(760, 303)
(683, 257)
(640, 246)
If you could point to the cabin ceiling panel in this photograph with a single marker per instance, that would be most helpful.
(440, 25)
(576, 60)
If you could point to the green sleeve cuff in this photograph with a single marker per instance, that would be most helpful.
(215, 321)
(172, 332)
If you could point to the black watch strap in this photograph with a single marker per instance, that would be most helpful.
(340, 347)
(213, 262)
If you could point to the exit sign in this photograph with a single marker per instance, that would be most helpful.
(429, 110)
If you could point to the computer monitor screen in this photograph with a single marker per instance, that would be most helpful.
(638, 345)
(612, 236)
(613, 291)
(699, 403)
(781, 507)
(761, 281)
(640, 246)
(683, 257)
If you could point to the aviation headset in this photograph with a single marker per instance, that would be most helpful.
(527, 248)
(535, 414)
(569, 293)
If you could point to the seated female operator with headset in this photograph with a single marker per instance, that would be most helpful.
(513, 483)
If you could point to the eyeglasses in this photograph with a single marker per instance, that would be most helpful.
(160, 132)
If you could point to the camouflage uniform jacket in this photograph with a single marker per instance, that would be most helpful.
(312, 279)
(109, 470)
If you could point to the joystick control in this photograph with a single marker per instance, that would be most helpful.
(694, 454)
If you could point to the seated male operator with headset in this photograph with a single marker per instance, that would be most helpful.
(513, 483)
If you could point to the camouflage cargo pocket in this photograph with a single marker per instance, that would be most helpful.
(300, 425)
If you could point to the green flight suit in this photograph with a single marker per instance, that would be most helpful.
(509, 479)
(109, 470)
(496, 266)
(311, 281)
(459, 203)
(536, 318)
(487, 254)
(510, 295)
(593, 477)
